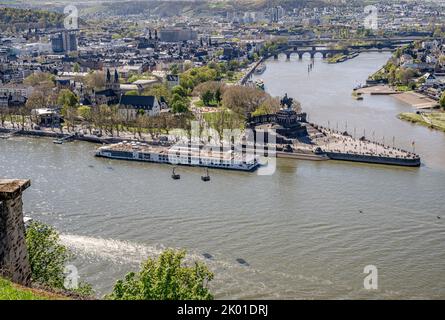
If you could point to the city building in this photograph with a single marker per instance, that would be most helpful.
(64, 42)
(130, 106)
(178, 35)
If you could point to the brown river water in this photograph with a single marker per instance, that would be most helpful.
(307, 231)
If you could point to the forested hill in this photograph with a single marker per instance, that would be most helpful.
(22, 19)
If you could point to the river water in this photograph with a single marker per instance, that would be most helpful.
(307, 231)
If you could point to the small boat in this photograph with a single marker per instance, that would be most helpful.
(206, 177)
(260, 69)
(175, 176)
(58, 141)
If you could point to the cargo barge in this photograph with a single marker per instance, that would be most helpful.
(413, 161)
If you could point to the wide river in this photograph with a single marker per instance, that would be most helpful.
(307, 231)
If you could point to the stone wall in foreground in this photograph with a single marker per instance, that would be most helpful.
(14, 263)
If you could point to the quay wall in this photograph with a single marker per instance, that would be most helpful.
(58, 135)
(407, 162)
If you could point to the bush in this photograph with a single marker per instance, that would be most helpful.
(48, 257)
(442, 101)
(165, 278)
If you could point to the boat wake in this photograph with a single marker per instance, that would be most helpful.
(232, 279)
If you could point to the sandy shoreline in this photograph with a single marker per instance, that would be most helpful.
(412, 98)
(416, 100)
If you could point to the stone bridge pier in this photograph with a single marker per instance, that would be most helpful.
(14, 263)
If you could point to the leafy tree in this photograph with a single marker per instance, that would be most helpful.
(442, 101)
(166, 278)
(84, 112)
(48, 257)
(243, 100)
(158, 90)
(218, 95)
(67, 98)
(179, 90)
(39, 79)
(207, 97)
(95, 80)
(76, 67)
(179, 106)
(174, 68)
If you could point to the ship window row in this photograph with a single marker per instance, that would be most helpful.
(123, 154)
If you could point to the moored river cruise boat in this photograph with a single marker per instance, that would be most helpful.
(200, 156)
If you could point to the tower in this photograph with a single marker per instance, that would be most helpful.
(108, 84)
(116, 85)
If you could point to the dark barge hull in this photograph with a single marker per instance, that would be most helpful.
(412, 162)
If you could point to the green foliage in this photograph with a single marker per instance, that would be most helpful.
(46, 255)
(179, 101)
(135, 77)
(76, 67)
(442, 101)
(132, 93)
(23, 19)
(158, 90)
(207, 97)
(179, 105)
(8, 291)
(194, 76)
(179, 90)
(67, 98)
(39, 79)
(165, 278)
(84, 112)
(174, 69)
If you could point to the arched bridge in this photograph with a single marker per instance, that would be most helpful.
(300, 50)
(325, 52)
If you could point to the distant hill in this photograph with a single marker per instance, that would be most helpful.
(197, 7)
(22, 19)
(162, 8)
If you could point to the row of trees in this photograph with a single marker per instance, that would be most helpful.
(395, 74)
(236, 102)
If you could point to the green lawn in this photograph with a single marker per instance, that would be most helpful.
(435, 120)
(10, 291)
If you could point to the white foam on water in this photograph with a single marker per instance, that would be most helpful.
(117, 251)
(230, 278)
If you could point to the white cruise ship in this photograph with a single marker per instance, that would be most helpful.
(201, 156)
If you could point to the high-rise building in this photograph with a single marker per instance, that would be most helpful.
(177, 35)
(64, 42)
(276, 13)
